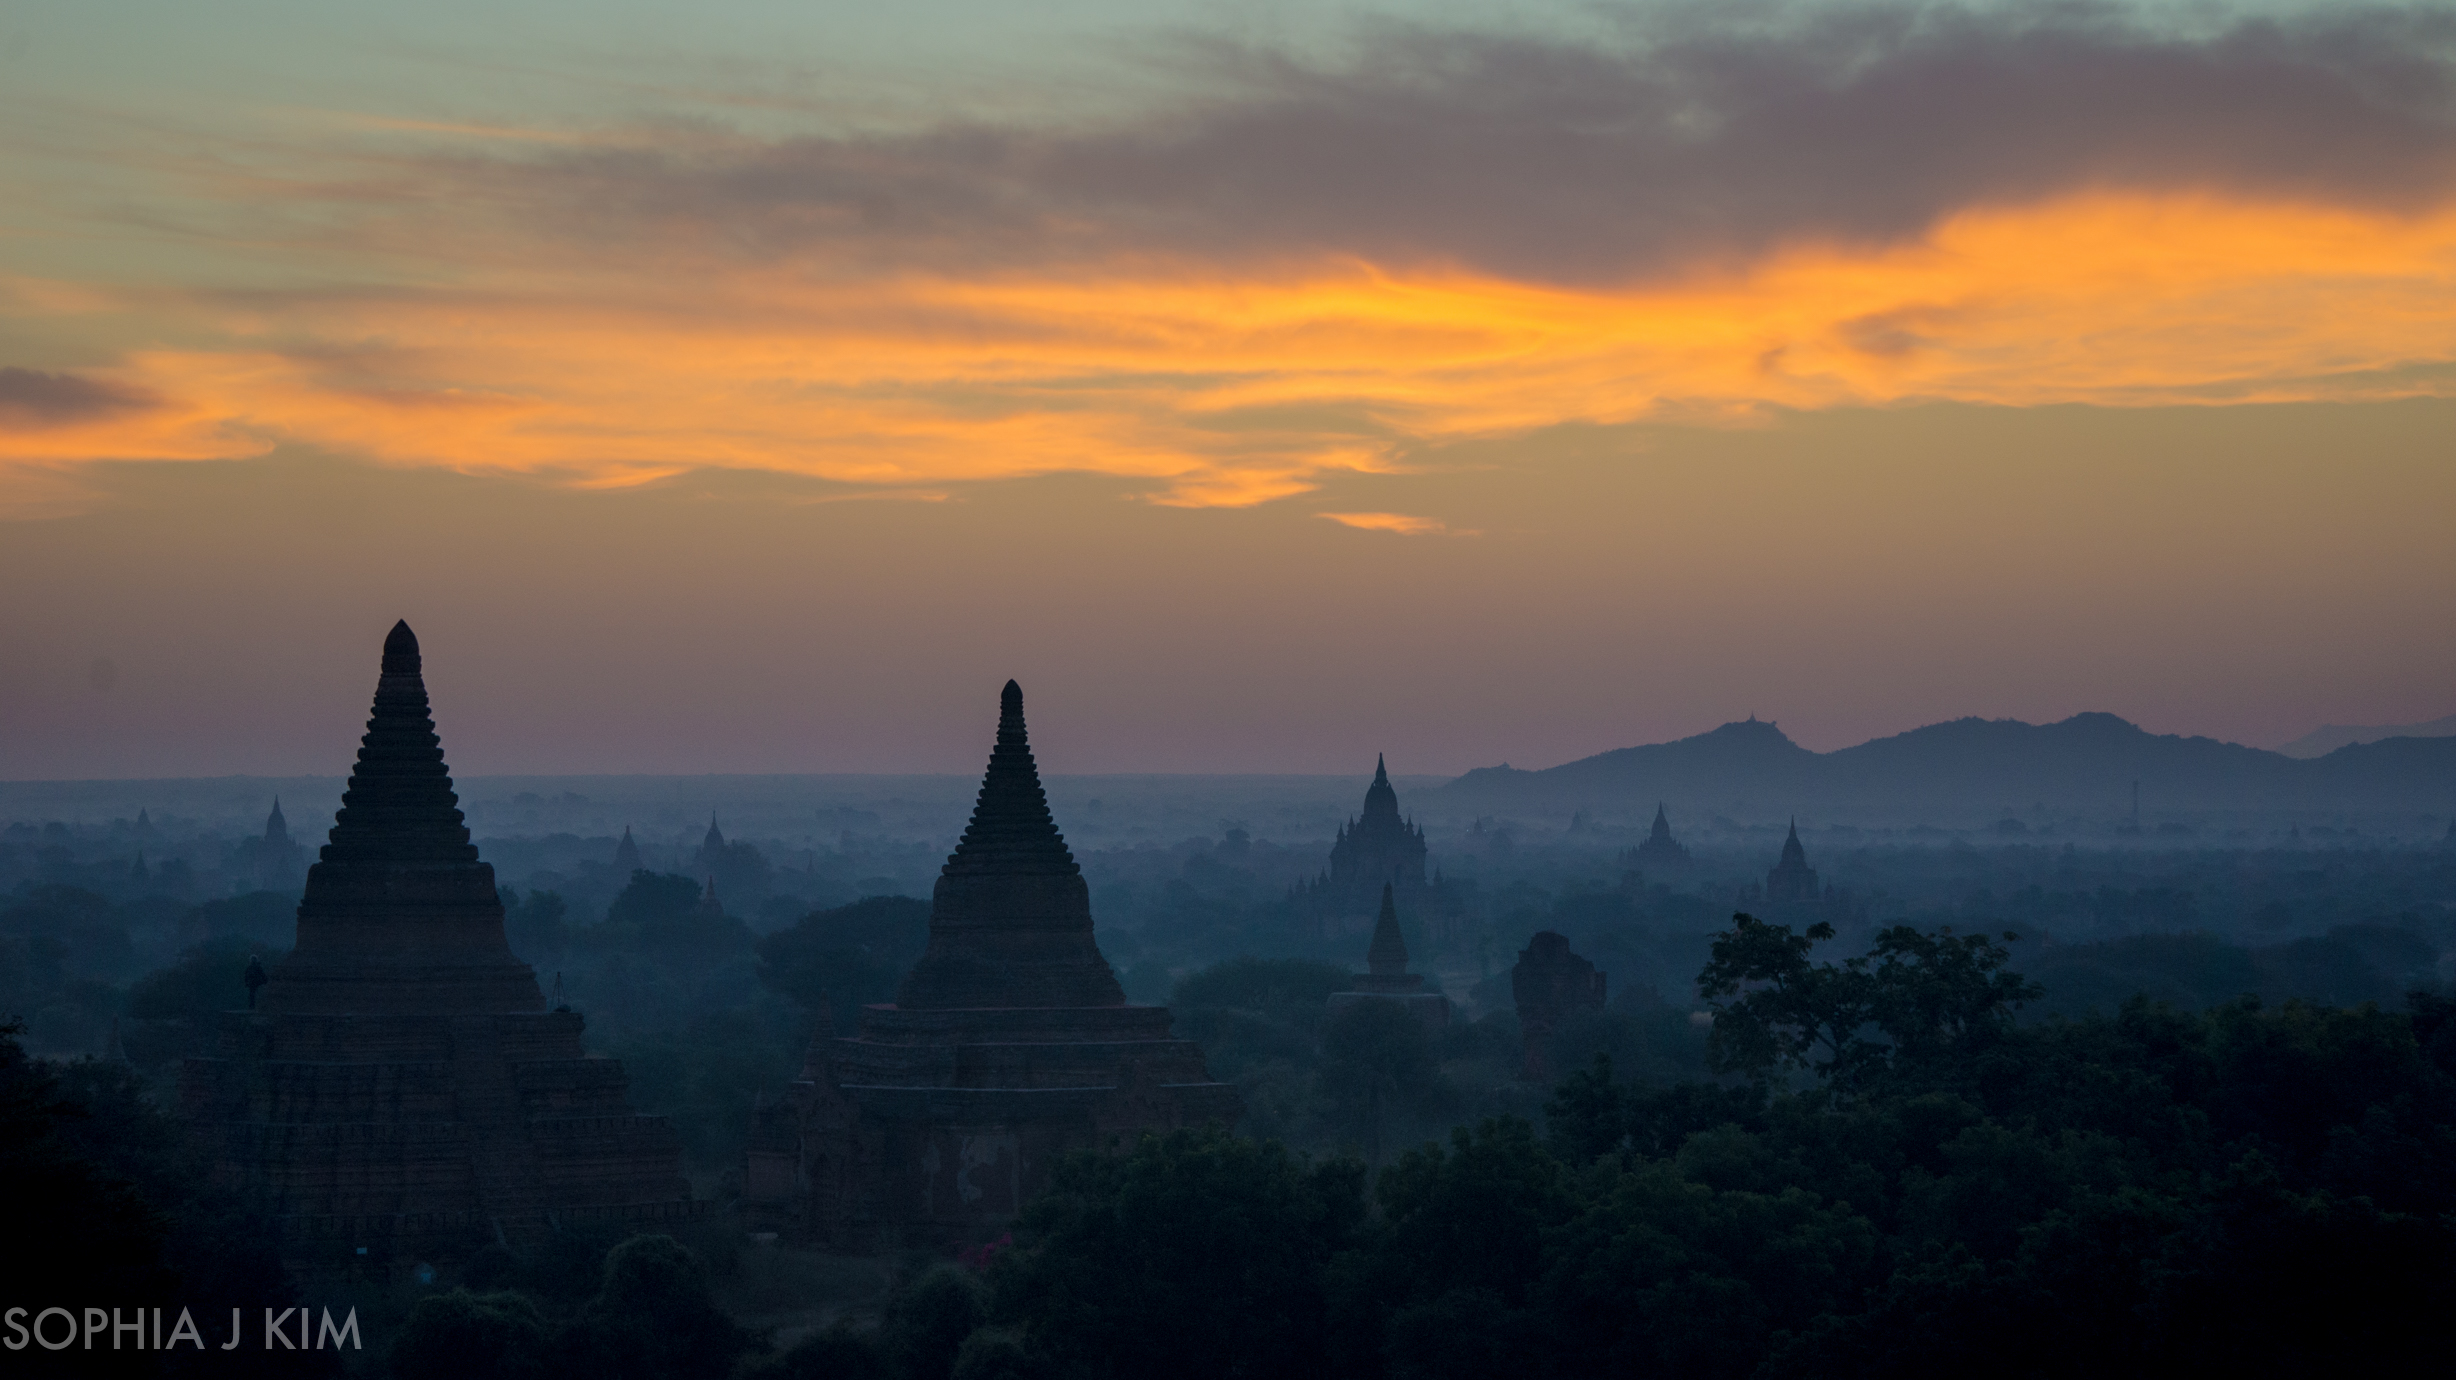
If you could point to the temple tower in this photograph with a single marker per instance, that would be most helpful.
(1660, 850)
(1008, 1044)
(626, 856)
(1374, 850)
(1792, 879)
(400, 1086)
(276, 854)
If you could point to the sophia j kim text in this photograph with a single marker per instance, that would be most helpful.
(143, 1329)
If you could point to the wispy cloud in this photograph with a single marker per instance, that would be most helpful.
(1399, 524)
(31, 398)
(1317, 268)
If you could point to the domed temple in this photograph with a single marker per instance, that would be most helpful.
(1009, 1044)
(1374, 851)
(400, 1087)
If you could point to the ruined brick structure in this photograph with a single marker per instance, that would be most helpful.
(400, 1087)
(1550, 983)
(1008, 1044)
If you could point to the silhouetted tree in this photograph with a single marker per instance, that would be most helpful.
(1197, 1254)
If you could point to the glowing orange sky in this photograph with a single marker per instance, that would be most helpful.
(1499, 406)
(1212, 389)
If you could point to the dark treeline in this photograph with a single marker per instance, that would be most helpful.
(1863, 1165)
(1882, 1172)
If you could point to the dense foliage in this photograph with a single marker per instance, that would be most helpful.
(1895, 1179)
(109, 1205)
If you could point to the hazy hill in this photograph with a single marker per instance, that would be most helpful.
(2085, 764)
(2319, 742)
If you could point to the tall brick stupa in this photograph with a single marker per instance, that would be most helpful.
(400, 1087)
(1009, 1044)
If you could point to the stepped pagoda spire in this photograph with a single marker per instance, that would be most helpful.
(626, 854)
(1010, 917)
(398, 1087)
(399, 913)
(1011, 829)
(1009, 1044)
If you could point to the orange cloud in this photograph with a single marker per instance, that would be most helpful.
(1398, 523)
(1205, 387)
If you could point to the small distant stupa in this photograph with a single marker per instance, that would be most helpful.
(1386, 977)
(400, 1088)
(277, 855)
(712, 847)
(710, 908)
(627, 855)
(1660, 850)
(1009, 1044)
(1792, 879)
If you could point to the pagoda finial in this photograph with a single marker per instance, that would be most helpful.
(401, 651)
(1381, 770)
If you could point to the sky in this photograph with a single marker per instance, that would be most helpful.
(754, 387)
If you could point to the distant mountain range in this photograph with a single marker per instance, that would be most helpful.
(2084, 765)
(2319, 742)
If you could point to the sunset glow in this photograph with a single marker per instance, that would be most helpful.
(1214, 390)
(1649, 322)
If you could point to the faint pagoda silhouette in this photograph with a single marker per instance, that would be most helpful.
(709, 908)
(1375, 850)
(1661, 851)
(399, 1086)
(627, 856)
(1792, 879)
(1386, 977)
(711, 848)
(1008, 1045)
(273, 861)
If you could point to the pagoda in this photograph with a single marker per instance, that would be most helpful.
(400, 1088)
(1791, 879)
(1008, 1045)
(1386, 977)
